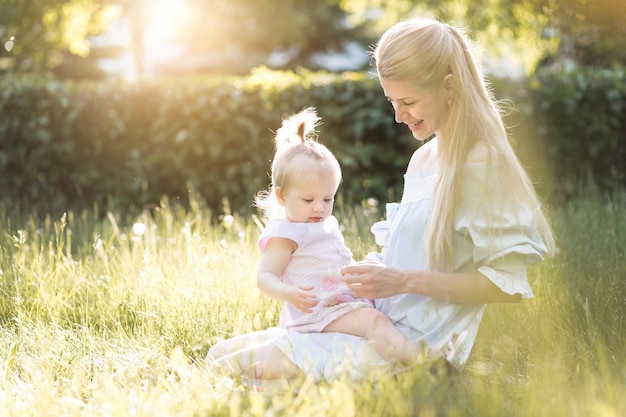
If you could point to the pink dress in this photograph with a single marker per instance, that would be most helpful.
(316, 262)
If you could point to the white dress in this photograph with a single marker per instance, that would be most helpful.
(502, 257)
(315, 263)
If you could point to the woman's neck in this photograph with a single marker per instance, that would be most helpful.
(425, 157)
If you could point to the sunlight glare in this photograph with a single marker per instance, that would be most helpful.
(167, 16)
(163, 32)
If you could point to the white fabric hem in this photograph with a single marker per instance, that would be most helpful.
(326, 356)
(507, 284)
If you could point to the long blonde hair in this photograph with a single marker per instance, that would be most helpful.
(296, 138)
(425, 52)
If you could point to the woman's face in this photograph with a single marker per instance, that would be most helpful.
(423, 110)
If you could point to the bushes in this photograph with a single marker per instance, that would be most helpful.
(74, 144)
(66, 145)
(583, 115)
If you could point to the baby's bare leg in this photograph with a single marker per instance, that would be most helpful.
(377, 328)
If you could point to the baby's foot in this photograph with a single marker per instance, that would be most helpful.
(442, 356)
(449, 348)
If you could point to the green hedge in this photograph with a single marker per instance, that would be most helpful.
(582, 115)
(67, 145)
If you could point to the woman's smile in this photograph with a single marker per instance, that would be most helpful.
(414, 127)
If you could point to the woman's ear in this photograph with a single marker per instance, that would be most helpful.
(448, 88)
(280, 196)
(448, 85)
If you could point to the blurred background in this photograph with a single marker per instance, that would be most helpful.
(94, 39)
(133, 100)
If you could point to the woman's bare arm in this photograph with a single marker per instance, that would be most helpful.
(375, 280)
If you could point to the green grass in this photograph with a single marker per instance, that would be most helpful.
(99, 319)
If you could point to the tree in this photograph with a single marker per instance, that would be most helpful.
(35, 34)
(590, 32)
(38, 35)
(235, 35)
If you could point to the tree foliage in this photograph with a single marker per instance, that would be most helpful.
(589, 32)
(34, 34)
(260, 28)
(592, 31)
(236, 34)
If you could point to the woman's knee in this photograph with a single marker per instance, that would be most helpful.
(261, 361)
(216, 351)
(237, 343)
(274, 364)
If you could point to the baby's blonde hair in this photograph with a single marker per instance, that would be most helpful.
(425, 52)
(294, 139)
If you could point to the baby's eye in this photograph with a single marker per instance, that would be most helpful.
(328, 200)
(308, 200)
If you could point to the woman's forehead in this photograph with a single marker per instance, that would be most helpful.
(400, 89)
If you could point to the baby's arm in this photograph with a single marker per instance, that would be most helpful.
(274, 259)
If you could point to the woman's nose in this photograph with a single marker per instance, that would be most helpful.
(400, 114)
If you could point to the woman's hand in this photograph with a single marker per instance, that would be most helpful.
(301, 298)
(373, 280)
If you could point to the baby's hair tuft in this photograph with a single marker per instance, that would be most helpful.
(297, 128)
(302, 130)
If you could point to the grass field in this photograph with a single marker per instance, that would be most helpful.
(103, 317)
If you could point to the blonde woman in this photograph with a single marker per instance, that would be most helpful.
(468, 224)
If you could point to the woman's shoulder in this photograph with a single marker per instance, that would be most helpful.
(481, 152)
(425, 157)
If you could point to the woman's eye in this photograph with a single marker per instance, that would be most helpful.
(404, 103)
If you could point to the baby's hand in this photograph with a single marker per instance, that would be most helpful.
(301, 298)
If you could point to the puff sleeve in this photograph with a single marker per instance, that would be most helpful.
(501, 235)
(381, 230)
(277, 227)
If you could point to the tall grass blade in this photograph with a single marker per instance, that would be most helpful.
(10, 360)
